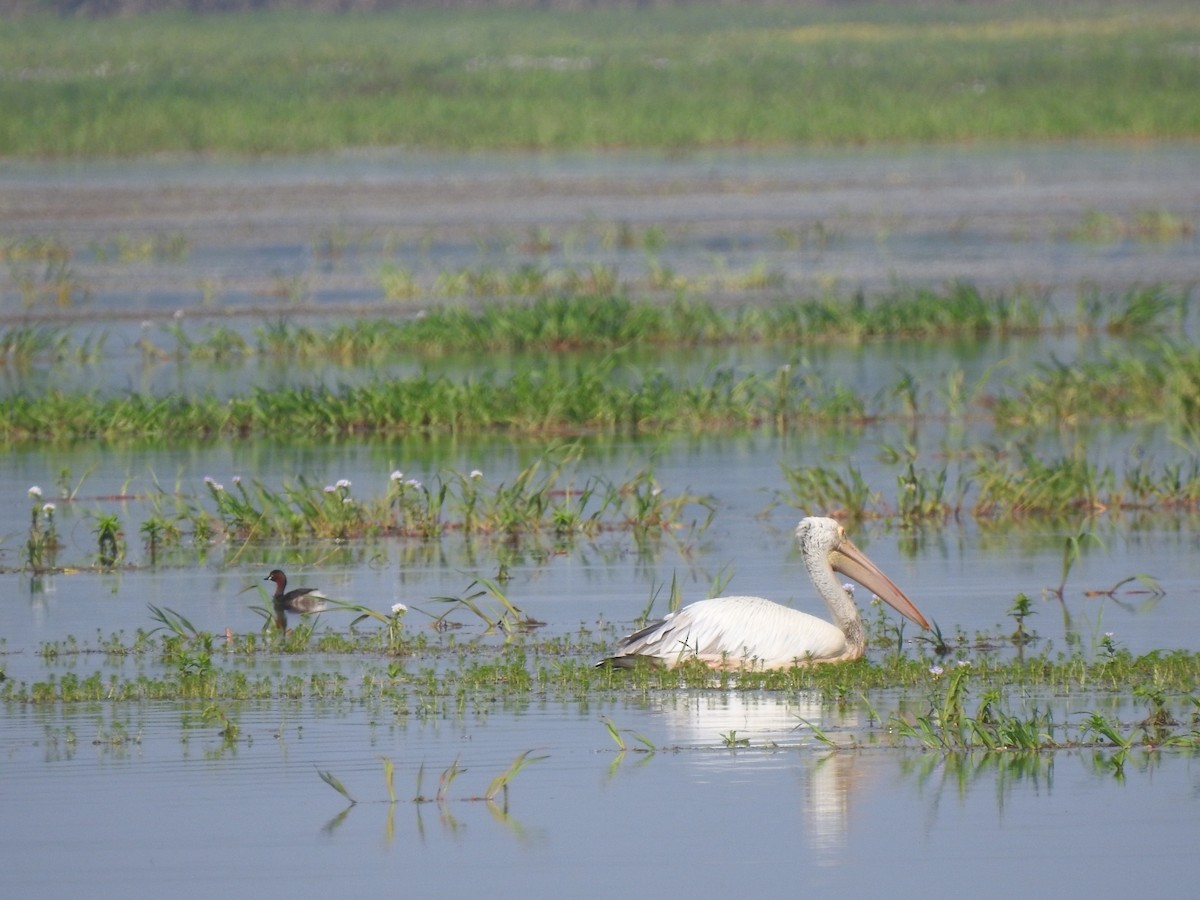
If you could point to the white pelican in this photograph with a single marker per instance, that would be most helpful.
(751, 632)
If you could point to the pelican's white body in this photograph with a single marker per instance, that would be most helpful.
(752, 632)
(737, 632)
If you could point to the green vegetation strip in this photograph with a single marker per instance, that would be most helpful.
(544, 499)
(1160, 385)
(615, 321)
(934, 710)
(690, 76)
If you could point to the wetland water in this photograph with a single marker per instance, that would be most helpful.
(113, 797)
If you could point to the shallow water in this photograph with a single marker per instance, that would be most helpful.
(187, 816)
(147, 797)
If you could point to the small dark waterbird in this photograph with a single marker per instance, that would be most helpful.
(297, 600)
(755, 633)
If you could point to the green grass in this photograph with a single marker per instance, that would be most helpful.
(1160, 384)
(566, 322)
(295, 82)
(928, 697)
(904, 696)
(548, 498)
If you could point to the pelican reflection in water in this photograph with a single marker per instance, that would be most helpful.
(736, 632)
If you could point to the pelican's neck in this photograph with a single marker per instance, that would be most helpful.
(837, 598)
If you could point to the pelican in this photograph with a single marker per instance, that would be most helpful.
(752, 632)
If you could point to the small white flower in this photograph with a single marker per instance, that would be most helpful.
(347, 501)
(963, 663)
(848, 587)
(475, 473)
(329, 489)
(48, 508)
(237, 479)
(35, 491)
(935, 671)
(1108, 634)
(396, 475)
(343, 483)
(398, 608)
(412, 483)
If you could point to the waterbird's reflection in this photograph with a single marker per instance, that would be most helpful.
(754, 721)
(728, 718)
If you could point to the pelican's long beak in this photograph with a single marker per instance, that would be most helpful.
(853, 563)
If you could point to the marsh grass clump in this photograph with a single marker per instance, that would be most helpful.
(544, 497)
(1160, 383)
(593, 318)
(947, 725)
(52, 283)
(42, 543)
(610, 396)
(21, 346)
(590, 311)
(110, 540)
(1146, 225)
(997, 486)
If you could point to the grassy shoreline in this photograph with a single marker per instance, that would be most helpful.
(300, 82)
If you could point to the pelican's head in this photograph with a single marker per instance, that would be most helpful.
(824, 541)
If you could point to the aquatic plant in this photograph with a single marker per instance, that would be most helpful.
(946, 725)
(622, 746)
(542, 497)
(334, 782)
(508, 619)
(42, 543)
(501, 781)
(1146, 224)
(110, 540)
(1021, 609)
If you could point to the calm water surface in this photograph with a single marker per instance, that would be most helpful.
(183, 815)
(114, 799)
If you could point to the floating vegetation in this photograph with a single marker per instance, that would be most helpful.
(160, 248)
(1146, 225)
(34, 248)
